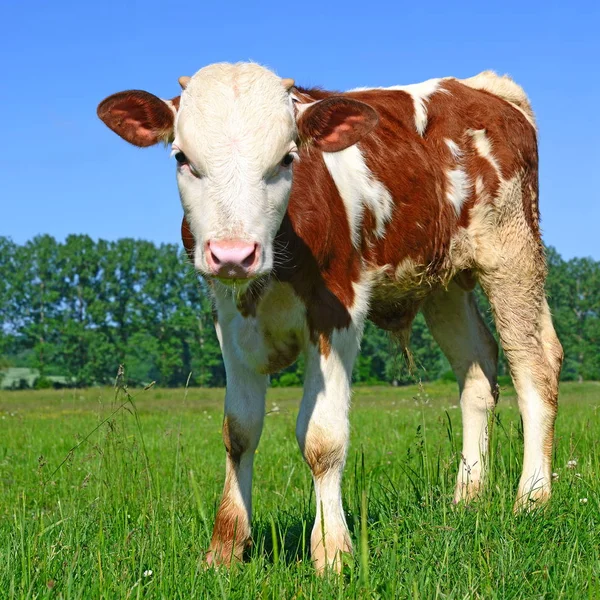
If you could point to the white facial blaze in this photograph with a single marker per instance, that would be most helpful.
(359, 189)
(235, 125)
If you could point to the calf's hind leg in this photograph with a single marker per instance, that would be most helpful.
(457, 326)
(515, 288)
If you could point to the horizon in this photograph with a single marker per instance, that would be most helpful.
(71, 175)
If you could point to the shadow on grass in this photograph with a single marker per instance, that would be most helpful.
(286, 541)
(277, 541)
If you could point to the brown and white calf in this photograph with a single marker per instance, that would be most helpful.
(311, 211)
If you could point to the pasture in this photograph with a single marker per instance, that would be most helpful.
(128, 514)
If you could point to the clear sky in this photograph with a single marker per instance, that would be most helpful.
(62, 171)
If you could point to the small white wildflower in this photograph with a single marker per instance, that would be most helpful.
(571, 464)
(147, 573)
(582, 500)
(555, 476)
(578, 475)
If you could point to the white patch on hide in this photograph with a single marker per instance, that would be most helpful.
(359, 189)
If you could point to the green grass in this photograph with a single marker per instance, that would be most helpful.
(141, 492)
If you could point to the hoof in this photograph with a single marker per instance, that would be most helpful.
(467, 492)
(224, 554)
(529, 500)
(329, 557)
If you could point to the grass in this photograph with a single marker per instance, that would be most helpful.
(140, 493)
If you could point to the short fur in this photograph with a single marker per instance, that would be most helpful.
(431, 188)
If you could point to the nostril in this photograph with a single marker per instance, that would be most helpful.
(250, 259)
(214, 258)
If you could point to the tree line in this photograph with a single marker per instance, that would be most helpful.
(80, 308)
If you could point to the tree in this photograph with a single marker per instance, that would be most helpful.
(82, 307)
(36, 300)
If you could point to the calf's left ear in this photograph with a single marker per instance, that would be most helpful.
(336, 123)
(140, 118)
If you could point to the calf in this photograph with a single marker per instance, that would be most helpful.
(310, 211)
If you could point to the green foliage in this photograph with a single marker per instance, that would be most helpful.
(80, 308)
(43, 383)
(574, 296)
(140, 491)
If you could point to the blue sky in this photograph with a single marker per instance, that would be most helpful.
(62, 171)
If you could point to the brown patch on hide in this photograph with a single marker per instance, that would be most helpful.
(235, 438)
(313, 247)
(412, 170)
(321, 455)
(512, 138)
(314, 252)
(324, 345)
(231, 532)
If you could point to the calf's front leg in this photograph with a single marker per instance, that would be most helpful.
(322, 431)
(242, 426)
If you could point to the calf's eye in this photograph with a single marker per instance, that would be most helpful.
(181, 158)
(288, 159)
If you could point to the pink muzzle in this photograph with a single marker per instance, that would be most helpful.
(232, 259)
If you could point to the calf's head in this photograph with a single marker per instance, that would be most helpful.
(235, 132)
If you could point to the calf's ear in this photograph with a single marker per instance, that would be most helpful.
(336, 123)
(140, 118)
